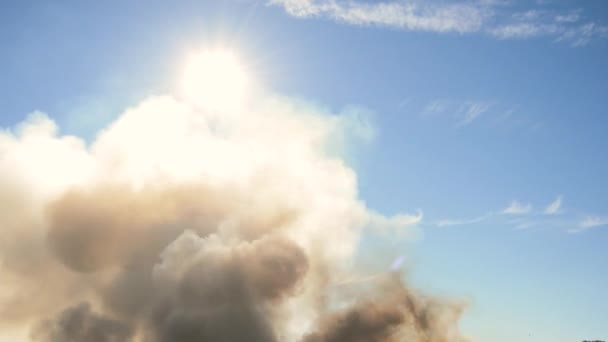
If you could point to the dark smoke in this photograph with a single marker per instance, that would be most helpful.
(203, 289)
(369, 322)
(247, 246)
(394, 314)
(94, 229)
(227, 293)
(207, 286)
(79, 324)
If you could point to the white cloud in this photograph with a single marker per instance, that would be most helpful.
(462, 112)
(581, 35)
(574, 35)
(498, 19)
(566, 27)
(436, 107)
(527, 15)
(517, 208)
(472, 111)
(571, 17)
(522, 30)
(459, 17)
(554, 207)
(520, 216)
(395, 224)
(589, 223)
(460, 222)
(524, 225)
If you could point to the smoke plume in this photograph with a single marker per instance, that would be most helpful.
(179, 224)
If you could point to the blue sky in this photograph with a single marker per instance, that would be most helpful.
(490, 118)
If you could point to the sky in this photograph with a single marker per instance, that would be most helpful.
(484, 120)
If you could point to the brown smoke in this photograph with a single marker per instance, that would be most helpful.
(78, 324)
(394, 313)
(204, 286)
(95, 228)
(178, 225)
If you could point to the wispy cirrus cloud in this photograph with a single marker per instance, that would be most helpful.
(555, 206)
(571, 17)
(457, 17)
(517, 208)
(569, 27)
(589, 222)
(436, 107)
(463, 113)
(514, 208)
(521, 216)
(472, 111)
(495, 18)
(525, 225)
(460, 222)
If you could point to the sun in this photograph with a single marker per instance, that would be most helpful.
(214, 79)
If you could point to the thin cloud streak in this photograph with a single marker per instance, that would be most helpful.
(517, 208)
(487, 17)
(473, 111)
(520, 216)
(555, 206)
(461, 18)
(590, 222)
(463, 113)
(450, 222)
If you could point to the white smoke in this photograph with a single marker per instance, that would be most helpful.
(76, 216)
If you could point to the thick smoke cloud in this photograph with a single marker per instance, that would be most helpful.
(219, 292)
(79, 323)
(95, 228)
(183, 224)
(393, 313)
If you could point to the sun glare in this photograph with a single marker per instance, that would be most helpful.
(214, 80)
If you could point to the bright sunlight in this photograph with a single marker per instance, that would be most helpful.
(214, 80)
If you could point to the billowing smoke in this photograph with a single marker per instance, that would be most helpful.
(181, 224)
(78, 323)
(391, 313)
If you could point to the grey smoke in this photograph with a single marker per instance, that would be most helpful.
(176, 277)
(80, 323)
(393, 312)
(167, 230)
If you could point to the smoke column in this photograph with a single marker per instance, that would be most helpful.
(179, 224)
